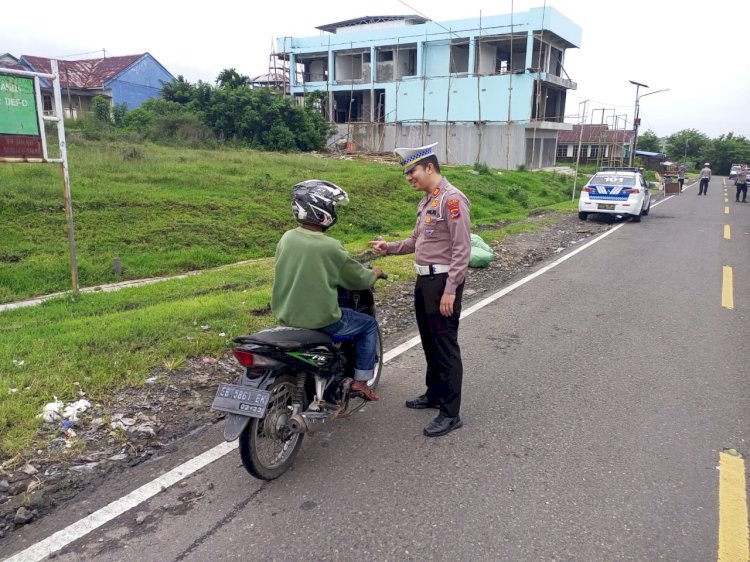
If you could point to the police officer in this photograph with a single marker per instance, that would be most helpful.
(441, 242)
(705, 177)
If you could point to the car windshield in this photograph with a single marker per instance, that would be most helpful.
(612, 178)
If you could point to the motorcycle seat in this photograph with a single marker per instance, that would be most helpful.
(286, 337)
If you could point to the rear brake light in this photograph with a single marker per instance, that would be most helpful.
(249, 359)
(245, 358)
(588, 189)
(634, 190)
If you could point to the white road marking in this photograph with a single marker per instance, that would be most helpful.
(75, 531)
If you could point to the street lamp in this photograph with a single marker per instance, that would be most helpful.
(636, 120)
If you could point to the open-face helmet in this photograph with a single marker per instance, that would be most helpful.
(314, 202)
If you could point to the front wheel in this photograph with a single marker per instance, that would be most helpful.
(583, 216)
(267, 446)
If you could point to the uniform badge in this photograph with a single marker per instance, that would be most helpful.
(435, 202)
(429, 232)
(428, 219)
(436, 192)
(454, 206)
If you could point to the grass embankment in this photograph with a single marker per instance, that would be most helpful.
(164, 211)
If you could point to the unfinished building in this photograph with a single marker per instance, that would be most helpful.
(489, 90)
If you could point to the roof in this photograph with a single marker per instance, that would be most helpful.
(595, 134)
(9, 61)
(658, 155)
(84, 74)
(365, 20)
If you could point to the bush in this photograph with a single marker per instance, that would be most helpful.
(519, 194)
(184, 129)
(481, 168)
(101, 109)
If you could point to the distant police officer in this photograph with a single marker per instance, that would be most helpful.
(705, 177)
(741, 182)
(441, 242)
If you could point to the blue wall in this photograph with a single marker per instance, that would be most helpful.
(433, 95)
(139, 82)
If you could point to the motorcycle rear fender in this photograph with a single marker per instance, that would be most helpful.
(234, 424)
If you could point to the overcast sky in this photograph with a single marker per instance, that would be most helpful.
(697, 50)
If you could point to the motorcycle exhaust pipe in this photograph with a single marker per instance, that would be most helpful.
(308, 422)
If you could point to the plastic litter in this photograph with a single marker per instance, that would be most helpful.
(72, 410)
(52, 411)
(481, 254)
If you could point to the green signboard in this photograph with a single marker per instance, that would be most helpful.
(19, 122)
(17, 106)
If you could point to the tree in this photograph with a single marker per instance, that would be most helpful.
(101, 109)
(178, 90)
(726, 150)
(649, 142)
(230, 78)
(687, 146)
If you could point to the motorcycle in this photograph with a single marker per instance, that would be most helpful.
(295, 382)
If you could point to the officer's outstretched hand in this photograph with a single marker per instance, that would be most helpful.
(446, 304)
(379, 247)
(378, 273)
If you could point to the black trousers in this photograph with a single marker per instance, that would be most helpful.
(439, 336)
(703, 187)
(741, 188)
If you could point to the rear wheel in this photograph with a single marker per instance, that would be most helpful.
(267, 446)
(636, 218)
(583, 216)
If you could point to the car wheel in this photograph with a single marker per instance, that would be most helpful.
(582, 215)
(635, 218)
(648, 209)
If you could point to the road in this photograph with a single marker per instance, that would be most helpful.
(598, 398)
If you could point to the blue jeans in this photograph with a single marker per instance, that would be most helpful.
(363, 329)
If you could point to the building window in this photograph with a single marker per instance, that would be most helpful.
(47, 103)
(595, 148)
(562, 150)
(459, 57)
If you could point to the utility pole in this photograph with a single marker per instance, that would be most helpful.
(635, 120)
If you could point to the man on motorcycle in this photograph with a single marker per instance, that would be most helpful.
(310, 267)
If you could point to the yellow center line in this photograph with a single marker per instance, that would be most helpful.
(733, 527)
(727, 289)
(727, 232)
(726, 210)
(726, 200)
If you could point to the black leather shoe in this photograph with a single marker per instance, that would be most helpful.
(442, 425)
(421, 402)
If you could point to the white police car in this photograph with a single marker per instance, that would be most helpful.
(616, 191)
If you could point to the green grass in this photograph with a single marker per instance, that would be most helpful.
(172, 210)
(176, 210)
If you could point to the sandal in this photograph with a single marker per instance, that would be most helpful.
(362, 388)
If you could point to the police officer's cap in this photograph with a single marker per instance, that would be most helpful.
(409, 157)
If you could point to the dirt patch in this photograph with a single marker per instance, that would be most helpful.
(144, 422)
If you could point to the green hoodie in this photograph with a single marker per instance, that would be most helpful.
(309, 268)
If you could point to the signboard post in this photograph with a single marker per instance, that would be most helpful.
(22, 133)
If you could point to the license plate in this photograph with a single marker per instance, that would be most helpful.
(606, 206)
(237, 399)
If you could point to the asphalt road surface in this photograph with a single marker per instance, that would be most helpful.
(597, 400)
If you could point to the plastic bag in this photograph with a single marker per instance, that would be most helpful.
(481, 254)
